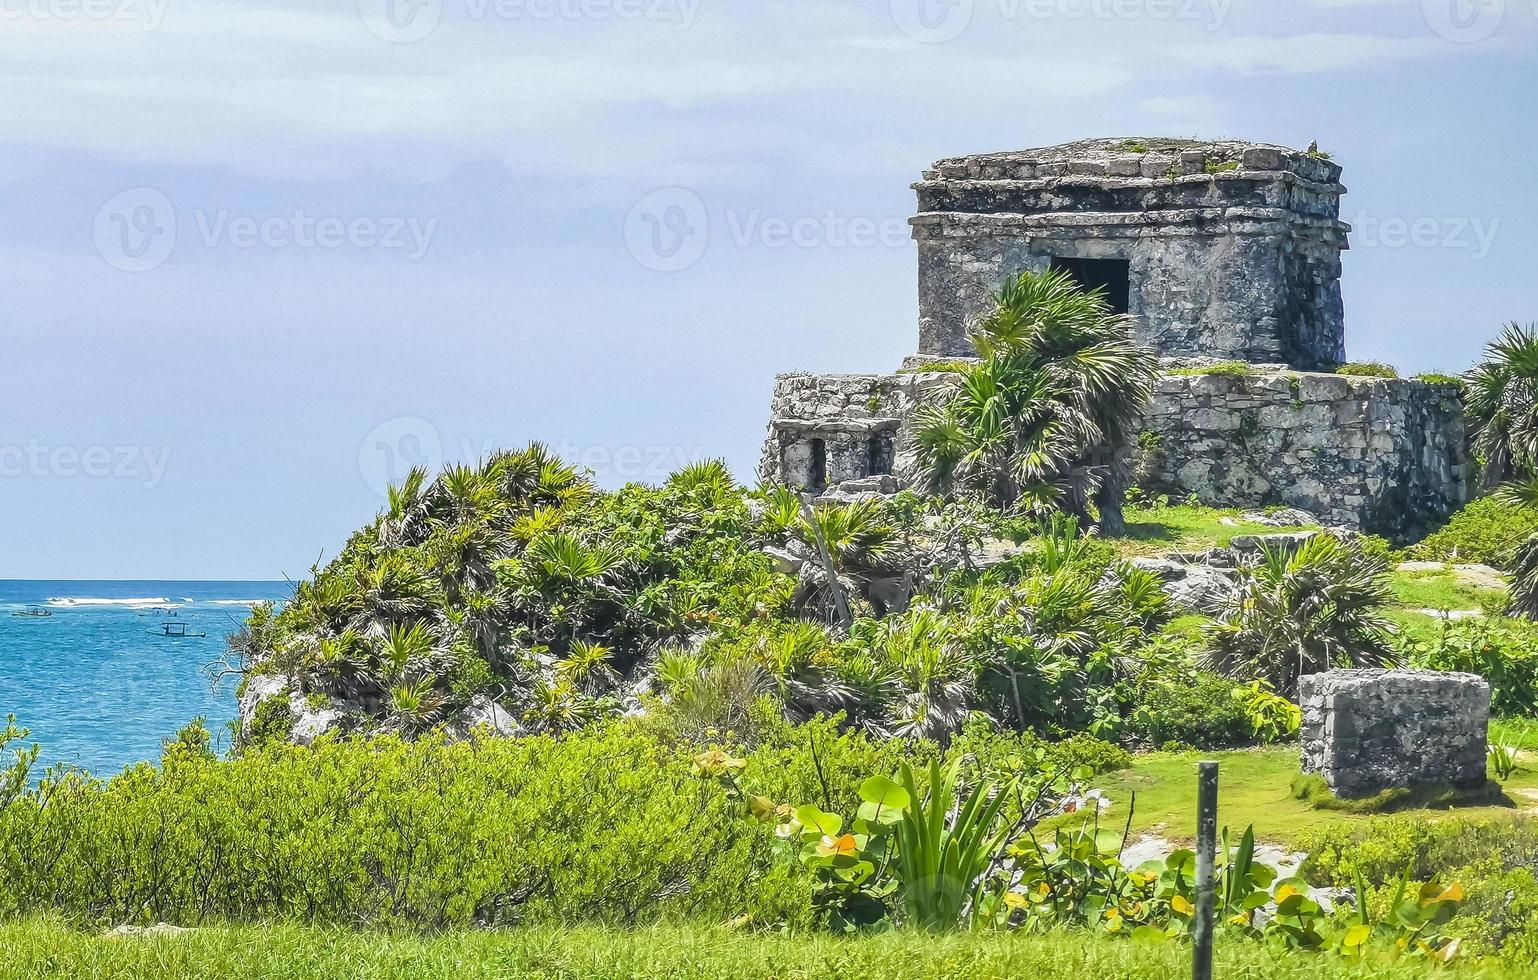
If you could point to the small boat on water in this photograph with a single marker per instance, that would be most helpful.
(176, 631)
(33, 612)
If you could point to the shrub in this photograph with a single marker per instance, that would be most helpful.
(1200, 712)
(1300, 610)
(1486, 532)
(1367, 369)
(1387, 848)
(1503, 651)
(1226, 369)
(611, 826)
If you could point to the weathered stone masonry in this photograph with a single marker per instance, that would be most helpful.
(1218, 251)
(1370, 730)
(1383, 455)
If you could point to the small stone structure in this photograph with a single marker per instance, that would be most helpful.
(1217, 251)
(1385, 455)
(832, 430)
(1366, 731)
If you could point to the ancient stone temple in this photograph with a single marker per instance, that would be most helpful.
(1218, 252)
(1222, 250)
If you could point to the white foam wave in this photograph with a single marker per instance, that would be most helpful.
(140, 603)
(233, 602)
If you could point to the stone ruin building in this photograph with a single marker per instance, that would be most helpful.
(1218, 251)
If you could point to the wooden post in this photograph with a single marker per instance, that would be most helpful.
(1206, 861)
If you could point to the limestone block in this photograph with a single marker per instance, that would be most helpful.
(1370, 730)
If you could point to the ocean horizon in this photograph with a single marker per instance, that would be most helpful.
(99, 682)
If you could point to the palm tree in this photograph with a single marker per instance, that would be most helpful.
(1302, 609)
(1503, 405)
(1045, 420)
(1524, 563)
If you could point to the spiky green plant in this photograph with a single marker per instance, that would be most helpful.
(1502, 405)
(1043, 421)
(1302, 609)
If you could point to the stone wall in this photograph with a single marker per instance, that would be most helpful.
(1387, 456)
(1370, 730)
(856, 426)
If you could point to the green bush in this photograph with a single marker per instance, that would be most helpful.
(613, 826)
(1385, 849)
(1503, 651)
(1226, 369)
(1200, 712)
(1485, 532)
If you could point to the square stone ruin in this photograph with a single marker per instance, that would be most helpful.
(1366, 731)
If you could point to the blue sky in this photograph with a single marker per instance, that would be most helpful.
(257, 256)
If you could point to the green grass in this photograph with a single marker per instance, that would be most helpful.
(1255, 788)
(45, 949)
(1227, 369)
(1444, 589)
(1156, 530)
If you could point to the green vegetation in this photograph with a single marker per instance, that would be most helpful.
(1133, 146)
(1302, 610)
(1367, 369)
(1502, 405)
(1225, 369)
(1488, 532)
(43, 948)
(940, 367)
(1217, 167)
(1037, 424)
(1437, 378)
(1260, 787)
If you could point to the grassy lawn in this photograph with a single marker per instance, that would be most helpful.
(1255, 787)
(1443, 589)
(1157, 530)
(44, 949)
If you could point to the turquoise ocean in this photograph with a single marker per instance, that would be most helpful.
(99, 683)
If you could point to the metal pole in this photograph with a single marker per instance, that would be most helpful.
(1206, 860)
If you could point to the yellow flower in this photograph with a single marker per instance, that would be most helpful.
(845, 846)
(1015, 900)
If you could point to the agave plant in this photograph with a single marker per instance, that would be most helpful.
(1301, 610)
(1043, 420)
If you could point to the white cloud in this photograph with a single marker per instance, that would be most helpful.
(310, 93)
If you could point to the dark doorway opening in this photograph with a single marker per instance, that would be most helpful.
(1113, 277)
(879, 453)
(817, 478)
